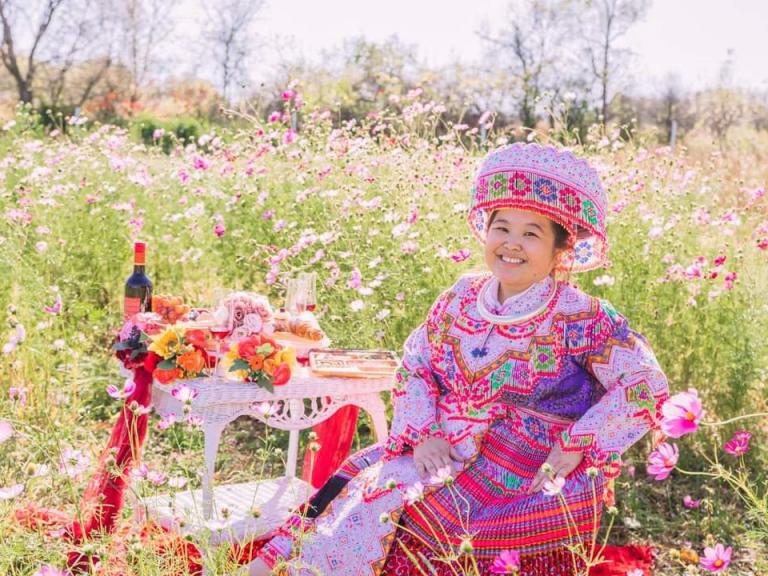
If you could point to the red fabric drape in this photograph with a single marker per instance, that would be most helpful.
(622, 559)
(335, 437)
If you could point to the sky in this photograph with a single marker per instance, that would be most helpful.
(691, 38)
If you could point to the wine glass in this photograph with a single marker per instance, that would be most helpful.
(292, 296)
(220, 330)
(308, 290)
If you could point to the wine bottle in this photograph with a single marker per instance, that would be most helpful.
(138, 287)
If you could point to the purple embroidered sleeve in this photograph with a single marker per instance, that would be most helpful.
(635, 388)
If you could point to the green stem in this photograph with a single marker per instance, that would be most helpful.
(736, 419)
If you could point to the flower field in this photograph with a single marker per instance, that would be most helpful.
(377, 209)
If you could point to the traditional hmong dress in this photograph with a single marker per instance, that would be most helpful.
(503, 383)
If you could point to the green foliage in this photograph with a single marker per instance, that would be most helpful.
(181, 131)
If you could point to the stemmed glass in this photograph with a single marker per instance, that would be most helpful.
(308, 283)
(220, 331)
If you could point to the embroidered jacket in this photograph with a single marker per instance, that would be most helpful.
(575, 357)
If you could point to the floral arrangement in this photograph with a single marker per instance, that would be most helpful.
(178, 353)
(246, 314)
(131, 343)
(261, 360)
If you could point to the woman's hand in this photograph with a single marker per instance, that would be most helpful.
(562, 463)
(432, 454)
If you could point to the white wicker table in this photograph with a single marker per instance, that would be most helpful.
(306, 400)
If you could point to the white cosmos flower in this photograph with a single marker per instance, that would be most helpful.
(554, 487)
(11, 492)
(414, 493)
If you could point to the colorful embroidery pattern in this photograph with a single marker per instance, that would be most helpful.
(493, 408)
(548, 181)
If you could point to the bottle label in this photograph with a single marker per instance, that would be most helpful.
(131, 307)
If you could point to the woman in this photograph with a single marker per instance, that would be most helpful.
(516, 382)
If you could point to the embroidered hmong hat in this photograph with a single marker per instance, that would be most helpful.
(551, 182)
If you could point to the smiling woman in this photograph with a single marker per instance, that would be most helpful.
(515, 399)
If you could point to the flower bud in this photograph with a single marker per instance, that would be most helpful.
(466, 546)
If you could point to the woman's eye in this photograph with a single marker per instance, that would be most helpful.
(501, 229)
(531, 234)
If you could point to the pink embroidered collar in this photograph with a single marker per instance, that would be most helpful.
(517, 308)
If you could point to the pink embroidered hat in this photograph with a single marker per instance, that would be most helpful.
(550, 182)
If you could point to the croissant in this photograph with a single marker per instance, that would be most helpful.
(306, 326)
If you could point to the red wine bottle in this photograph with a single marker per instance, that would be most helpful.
(138, 287)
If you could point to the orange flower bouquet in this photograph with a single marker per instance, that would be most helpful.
(178, 353)
(261, 360)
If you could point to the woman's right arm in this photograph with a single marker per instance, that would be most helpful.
(414, 397)
(416, 389)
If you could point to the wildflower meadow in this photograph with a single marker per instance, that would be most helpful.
(377, 208)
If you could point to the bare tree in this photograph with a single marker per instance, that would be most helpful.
(226, 33)
(47, 42)
(604, 23)
(144, 27)
(80, 53)
(12, 12)
(532, 46)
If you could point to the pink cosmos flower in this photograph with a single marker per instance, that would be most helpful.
(461, 255)
(48, 570)
(56, 307)
(194, 421)
(166, 421)
(200, 163)
(443, 476)
(11, 492)
(128, 388)
(184, 393)
(738, 444)
(662, 461)
(156, 477)
(288, 95)
(716, 559)
(355, 280)
(73, 462)
(554, 487)
(219, 229)
(507, 562)
(6, 431)
(289, 137)
(275, 117)
(690, 503)
(681, 414)
(414, 493)
(18, 393)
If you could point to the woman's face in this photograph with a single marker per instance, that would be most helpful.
(519, 249)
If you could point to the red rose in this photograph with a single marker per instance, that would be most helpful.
(167, 376)
(281, 375)
(197, 338)
(247, 348)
